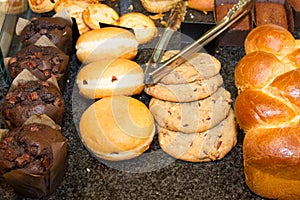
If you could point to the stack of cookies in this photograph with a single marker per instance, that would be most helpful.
(192, 110)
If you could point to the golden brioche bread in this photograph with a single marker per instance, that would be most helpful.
(271, 38)
(268, 110)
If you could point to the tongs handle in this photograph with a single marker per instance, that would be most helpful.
(239, 10)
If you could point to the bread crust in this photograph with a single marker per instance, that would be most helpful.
(202, 5)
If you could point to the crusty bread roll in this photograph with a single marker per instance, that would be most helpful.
(99, 12)
(158, 6)
(106, 43)
(144, 27)
(268, 110)
(117, 128)
(280, 44)
(202, 5)
(106, 78)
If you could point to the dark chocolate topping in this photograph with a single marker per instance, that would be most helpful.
(34, 97)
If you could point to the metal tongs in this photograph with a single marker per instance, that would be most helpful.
(156, 71)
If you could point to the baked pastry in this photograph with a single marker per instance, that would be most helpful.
(198, 67)
(117, 128)
(256, 69)
(268, 109)
(158, 6)
(280, 44)
(144, 27)
(202, 5)
(186, 92)
(271, 13)
(75, 9)
(33, 159)
(32, 97)
(95, 13)
(106, 78)
(14, 6)
(41, 61)
(206, 146)
(56, 29)
(107, 43)
(191, 117)
(41, 6)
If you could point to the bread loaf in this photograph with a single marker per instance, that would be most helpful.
(268, 110)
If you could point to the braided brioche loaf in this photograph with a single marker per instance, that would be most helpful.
(268, 110)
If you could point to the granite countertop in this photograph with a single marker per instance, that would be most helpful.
(154, 175)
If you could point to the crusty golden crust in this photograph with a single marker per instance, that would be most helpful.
(158, 6)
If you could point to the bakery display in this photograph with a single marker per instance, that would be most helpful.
(30, 98)
(41, 61)
(107, 78)
(165, 162)
(106, 43)
(267, 109)
(99, 13)
(43, 6)
(33, 159)
(56, 29)
(117, 128)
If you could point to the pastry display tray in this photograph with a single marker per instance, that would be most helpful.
(155, 175)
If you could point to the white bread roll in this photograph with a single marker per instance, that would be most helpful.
(117, 128)
(106, 78)
(106, 43)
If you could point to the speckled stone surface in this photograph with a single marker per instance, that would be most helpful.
(153, 176)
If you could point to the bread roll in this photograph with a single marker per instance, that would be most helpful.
(144, 27)
(106, 78)
(106, 43)
(158, 6)
(268, 110)
(271, 38)
(117, 128)
(99, 12)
